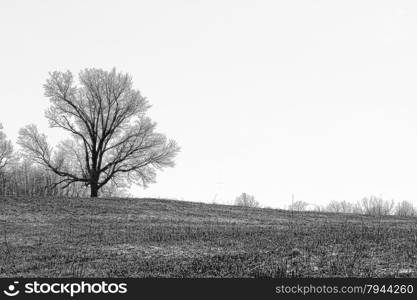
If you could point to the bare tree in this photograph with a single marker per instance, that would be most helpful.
(246, 200)
(112, 138)
(405, 209)
(376, 206)
(298, 205)
(343, 207)
(334, 206)
(6, 149)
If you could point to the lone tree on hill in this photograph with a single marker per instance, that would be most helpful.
(6, 149)
(112, 138)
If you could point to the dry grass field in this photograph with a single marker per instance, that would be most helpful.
(64, 237)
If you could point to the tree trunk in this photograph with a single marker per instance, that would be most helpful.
(94, 190)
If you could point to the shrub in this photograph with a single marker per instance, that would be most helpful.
(246, 200)
(343, 207)
(298, 206)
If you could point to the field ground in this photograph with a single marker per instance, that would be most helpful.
(63, 237)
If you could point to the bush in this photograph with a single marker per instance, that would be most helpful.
(343, 207)
(246, 200)
(298, 206)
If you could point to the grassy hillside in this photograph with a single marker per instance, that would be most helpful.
(161, 238)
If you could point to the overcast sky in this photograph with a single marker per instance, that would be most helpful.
(272, 98)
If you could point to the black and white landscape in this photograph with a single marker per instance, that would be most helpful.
(208, 139)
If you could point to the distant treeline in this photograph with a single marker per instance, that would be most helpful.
(23, 178)
(374, 206)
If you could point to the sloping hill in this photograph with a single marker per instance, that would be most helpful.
(53, 237)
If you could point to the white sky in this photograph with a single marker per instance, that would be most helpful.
(315, 98)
